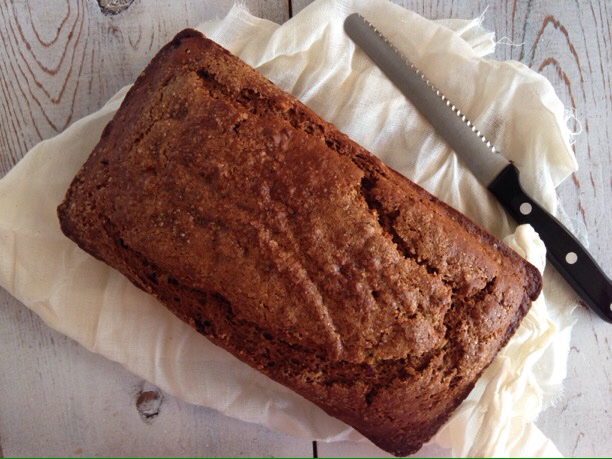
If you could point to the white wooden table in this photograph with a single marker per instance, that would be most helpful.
(62, 59)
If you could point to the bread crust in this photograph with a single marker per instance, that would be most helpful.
(292, 247)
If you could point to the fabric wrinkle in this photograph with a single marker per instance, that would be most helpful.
(350, 92)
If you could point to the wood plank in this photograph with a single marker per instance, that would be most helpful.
(61, 60)
(60, 400)
(568, 43)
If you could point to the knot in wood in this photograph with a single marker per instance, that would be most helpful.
(113, 7)
(148, 404)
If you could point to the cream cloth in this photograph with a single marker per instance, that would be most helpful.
(311, 57)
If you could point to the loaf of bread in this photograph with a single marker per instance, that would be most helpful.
(292, 247)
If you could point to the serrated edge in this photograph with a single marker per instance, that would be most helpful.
(438, 93)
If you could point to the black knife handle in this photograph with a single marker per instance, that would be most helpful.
(564, 251)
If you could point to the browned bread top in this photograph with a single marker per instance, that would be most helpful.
(292, 247)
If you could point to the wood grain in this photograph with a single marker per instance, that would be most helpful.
(59, 61)
(112, 7)
(62, 59)
(73, 403)
(570, 44)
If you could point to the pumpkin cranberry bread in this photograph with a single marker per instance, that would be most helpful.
(289, 245)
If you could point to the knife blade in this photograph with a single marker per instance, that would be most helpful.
(491, 168)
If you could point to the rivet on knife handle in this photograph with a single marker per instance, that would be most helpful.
(495, 172)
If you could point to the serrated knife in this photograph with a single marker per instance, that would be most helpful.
(496, 173)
